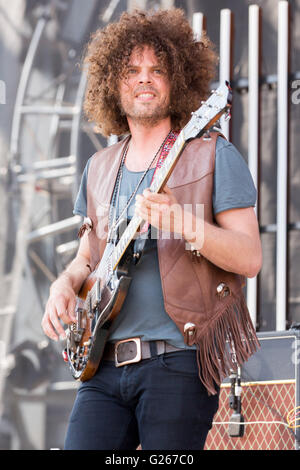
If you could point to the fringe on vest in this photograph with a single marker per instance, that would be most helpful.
(226, 343)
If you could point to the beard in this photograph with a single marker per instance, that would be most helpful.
(145, 114)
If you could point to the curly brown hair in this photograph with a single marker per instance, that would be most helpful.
(190, 65)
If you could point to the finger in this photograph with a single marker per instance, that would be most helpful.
(67, 314)
(61, 305)
(71, 309)
(154, 218)
(143, 213)
(148, 205)
(55, 315)
(140, 204)
(155, 209)
(155, 197)
(142, 201)
(48, 328)
(167, 190)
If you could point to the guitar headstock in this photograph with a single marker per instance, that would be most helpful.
(209, 112)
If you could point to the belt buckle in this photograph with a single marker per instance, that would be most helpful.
(137, 357)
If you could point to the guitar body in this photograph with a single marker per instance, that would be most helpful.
(87, 337)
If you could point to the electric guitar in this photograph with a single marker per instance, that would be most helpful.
(103, 293)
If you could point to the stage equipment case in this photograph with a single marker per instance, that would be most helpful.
(260, 405)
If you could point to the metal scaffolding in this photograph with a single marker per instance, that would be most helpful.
(42, 175)
(44, 168)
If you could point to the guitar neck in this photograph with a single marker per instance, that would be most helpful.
(161, 177)
(203, 119)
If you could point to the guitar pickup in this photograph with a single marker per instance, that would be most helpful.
(73, 337)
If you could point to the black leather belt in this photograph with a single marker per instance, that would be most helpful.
(133, 350)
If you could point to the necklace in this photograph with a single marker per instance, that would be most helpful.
(113, 223)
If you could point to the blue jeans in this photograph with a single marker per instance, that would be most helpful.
(159, 403)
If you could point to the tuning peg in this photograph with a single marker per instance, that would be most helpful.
(217, 93)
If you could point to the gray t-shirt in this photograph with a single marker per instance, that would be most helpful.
(143, 313)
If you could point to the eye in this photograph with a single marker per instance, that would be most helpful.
(131, 71)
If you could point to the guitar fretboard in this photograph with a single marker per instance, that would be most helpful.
(158, 181)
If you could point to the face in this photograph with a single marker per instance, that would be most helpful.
(145, 88)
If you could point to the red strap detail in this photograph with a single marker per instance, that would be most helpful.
(163, 155)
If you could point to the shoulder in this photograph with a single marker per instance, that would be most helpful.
(204, 149)
(233, 183)
(108, 152)
(223, 143)
(225, 150)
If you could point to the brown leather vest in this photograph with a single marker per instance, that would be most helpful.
(195, 290)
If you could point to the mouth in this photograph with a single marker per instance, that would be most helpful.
(145, 96)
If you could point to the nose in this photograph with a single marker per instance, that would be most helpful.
(145, 76)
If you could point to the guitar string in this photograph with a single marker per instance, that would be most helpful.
(118, 183)
(108, 265)
(120, 172)
(213, 97)
(113, 223)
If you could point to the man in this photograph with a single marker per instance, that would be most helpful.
(146, 75)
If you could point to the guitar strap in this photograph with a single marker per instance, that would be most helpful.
(145, 231)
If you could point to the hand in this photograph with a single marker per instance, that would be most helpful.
(160, 210)
(60, 307)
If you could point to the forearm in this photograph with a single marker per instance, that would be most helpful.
(233, 245)
(75, 274)
(231, 250)
(61, 304)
